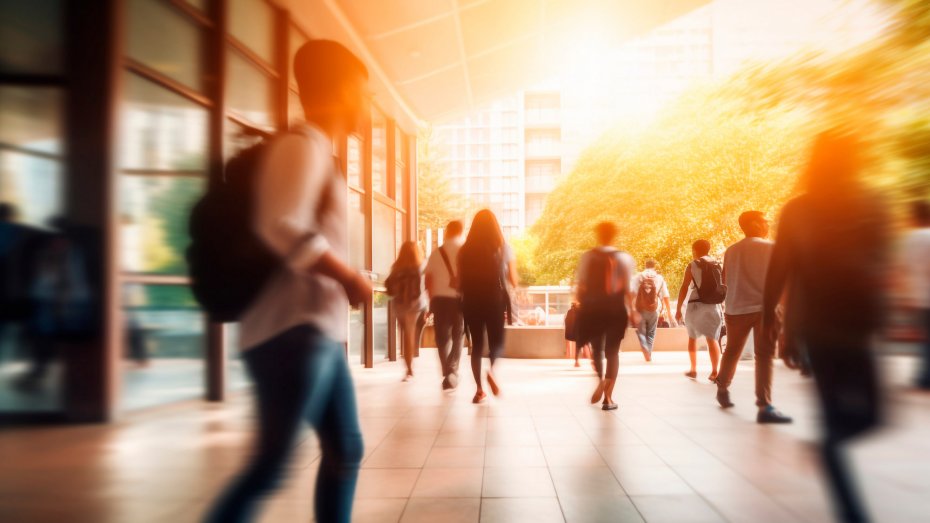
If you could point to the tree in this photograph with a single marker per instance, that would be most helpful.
(436, 203)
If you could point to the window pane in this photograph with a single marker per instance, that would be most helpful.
(30, 118)
(356, 231)
(399, 236)
(180, 56)
(400, 185)
(379, 153)
(382, 240)
(161, 130)
(33, 185)
(380, 327)
(295, 111)
(164, 342)
(31, 33)
(252, 22)
(250, 92)
(354, 153)
(237, 138)
(295, 39)
(154, 214)
(356, 335)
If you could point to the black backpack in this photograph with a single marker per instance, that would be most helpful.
(229, 264)
(601, 282)
(712, 289)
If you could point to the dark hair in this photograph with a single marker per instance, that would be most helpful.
(834, 165)
(323, 68)
(748, 218)
(454, 228)
(921, 212)
(650, 263)
(701, 247)
(7, 212)
(605, 232)
(408, 256)
(485, 233)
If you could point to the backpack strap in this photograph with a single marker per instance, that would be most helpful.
(448, 264)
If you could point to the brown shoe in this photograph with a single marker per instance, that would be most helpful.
(479, 397)
(495, 390)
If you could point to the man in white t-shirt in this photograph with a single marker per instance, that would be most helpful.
(745, 266)
(914, 265)
(445, 303)
(650, 293)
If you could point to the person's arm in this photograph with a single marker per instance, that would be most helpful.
(775, 282)
(683, 292)
(580, 275)
(292, 187)
(428, 277)
(512, 275)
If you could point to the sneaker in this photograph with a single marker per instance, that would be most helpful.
(723, 398)
(647, 355)
(771, 415)
(609, 406)
(479, 397)
(598, 392)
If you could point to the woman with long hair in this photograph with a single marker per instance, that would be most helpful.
(405, 286)
(485, 267)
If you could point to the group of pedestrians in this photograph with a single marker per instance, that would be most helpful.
(825, 268)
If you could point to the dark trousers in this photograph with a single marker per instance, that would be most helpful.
(923, 380)
(848, 390)
(481, 319)
(603, 326)
(300, 376)
(449, 325)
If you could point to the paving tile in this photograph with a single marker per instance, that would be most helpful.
(449, 483)
(521, 510)
(447, 510)
(517, 482)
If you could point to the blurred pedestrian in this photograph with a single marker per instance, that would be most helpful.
(485, 269)
(914, 267)
(829, 256)
(606, 308)
(445, 303)
(651, 300)
(405, 287)
(703, 287)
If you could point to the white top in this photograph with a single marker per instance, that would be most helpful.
(661, 286)
(746, 264)
(628, 264)
(300, 191)
(437, 272)
(914, 262)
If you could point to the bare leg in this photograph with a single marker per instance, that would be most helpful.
(410, 332)
(713, 347)
(692, 354)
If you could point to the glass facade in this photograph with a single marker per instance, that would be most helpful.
(177, 119)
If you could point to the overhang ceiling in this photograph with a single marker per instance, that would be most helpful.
(435, 59)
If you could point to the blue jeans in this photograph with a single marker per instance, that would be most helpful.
(647, 329)
(923, 379)
(300, 375)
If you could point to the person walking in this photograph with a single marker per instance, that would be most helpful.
(485, 269)
(651, 293)
(914, 268)
(830, 258)
(745, 264)
(606, 308)
(294, 332)
(703, 283)
(404, 285)
(445, 303)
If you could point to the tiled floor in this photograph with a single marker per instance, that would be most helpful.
(539, 453)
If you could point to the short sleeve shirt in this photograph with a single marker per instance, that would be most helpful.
(746, 263)
(438, 273)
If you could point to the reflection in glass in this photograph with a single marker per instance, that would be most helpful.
(155, 211)
(250, 92)
(30, 118)
(400, 169)
(31, 33)
(382, 234)
(399, 230)
(163, 346)
(379, 180)
(180, 56)
(380, 326)
(354, 154)
(356, 231)
(33, 185)
(161, 130)
(251, 22)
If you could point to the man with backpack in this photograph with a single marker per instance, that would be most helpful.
(293, 330)
(446, 304)
(649, 288)
(606, 308)
(745, 265)
(703, 282)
